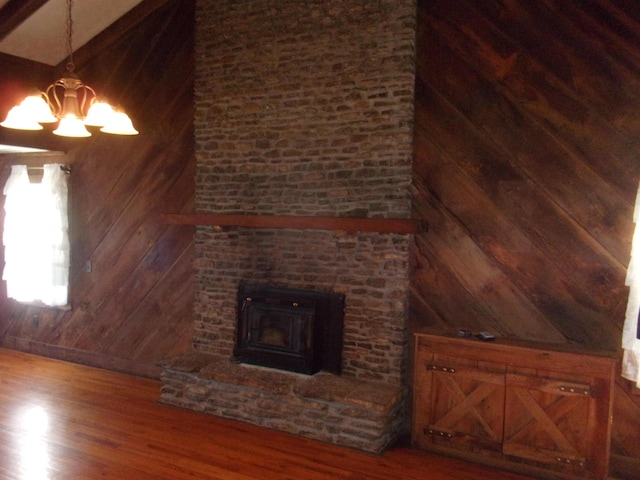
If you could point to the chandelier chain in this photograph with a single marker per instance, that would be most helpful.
(70, 65)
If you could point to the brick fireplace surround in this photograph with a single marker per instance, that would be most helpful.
(303, 108)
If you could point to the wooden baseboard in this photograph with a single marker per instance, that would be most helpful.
(83, 357)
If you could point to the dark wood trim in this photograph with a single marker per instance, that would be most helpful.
(380, 225)
(84, 357)
(15, 12)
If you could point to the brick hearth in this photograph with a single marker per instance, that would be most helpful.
(336, 409)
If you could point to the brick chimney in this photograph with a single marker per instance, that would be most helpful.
(306, 108)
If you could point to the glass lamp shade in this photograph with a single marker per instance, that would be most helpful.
(119, 123)
(99, 114)
(71, 126)
(20, 119)
(37, 108)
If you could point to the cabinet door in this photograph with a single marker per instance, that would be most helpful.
(462, 405)
(549, 422)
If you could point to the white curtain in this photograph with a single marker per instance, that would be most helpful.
(35, 237)
(630, 342)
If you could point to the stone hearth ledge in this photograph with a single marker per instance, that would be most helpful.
(345, 411)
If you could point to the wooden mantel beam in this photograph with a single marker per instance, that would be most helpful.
(349, 224)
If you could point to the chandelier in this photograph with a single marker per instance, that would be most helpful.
(71, 103)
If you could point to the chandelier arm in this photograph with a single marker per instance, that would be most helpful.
(83, 99)
(94, 97)
(93, 92)
(52, 99)
(45, 97)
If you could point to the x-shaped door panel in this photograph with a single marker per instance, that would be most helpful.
(468, 406)
(547, 423)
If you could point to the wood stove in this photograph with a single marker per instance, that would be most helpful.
(289, 329)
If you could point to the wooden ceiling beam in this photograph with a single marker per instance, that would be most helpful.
(15, 12)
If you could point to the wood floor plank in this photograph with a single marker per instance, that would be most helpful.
(61, 420)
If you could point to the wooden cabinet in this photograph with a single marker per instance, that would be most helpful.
(541, 412)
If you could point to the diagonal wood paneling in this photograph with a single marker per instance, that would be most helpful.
(500, 164)
(526, 168)
(134, 308)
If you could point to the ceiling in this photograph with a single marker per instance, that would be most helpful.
(39, 26)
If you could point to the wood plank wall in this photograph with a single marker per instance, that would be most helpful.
(526, 166)
(527, 160)
(135, 306)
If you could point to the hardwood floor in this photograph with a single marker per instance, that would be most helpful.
(65, 421)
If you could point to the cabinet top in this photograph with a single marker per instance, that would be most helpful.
(517, 353)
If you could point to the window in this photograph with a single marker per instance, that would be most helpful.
(35, 237)
(630, 341)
